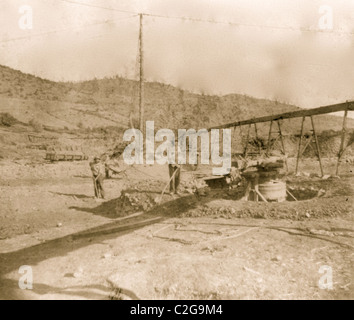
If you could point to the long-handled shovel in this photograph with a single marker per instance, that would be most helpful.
(95, 184)
(158, 200)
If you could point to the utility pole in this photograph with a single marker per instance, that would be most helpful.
(141, 77)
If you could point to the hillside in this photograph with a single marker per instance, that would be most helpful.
(108, 102)
(93, 114)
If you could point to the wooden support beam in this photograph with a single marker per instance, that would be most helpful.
(269, 137)
(299, 153)
(246, 197)
(308, 143)
(257, 138)
(233, 142)
(342, 149)
(241, 141)
(247, 141)
(294, 114)
(291, 195)
(317, 145)
(261, 195)
(283, 145)
(255, 129)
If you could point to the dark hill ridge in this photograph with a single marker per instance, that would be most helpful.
(109, 102)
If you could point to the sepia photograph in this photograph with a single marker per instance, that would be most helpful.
(176, 150)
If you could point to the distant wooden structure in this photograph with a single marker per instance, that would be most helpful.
(69, 153)
(346, 106)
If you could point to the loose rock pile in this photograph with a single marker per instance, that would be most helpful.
(134, 202)
(195, 186)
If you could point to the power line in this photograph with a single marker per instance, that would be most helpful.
(135, 14)
(64, 30)
(97, 6)
(213, 21)
(245, 25)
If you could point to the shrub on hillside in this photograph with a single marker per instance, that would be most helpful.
(7, 120)
(37, 126)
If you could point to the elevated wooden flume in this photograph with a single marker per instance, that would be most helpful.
(346, 106)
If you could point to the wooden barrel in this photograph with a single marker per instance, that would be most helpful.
(273, 190)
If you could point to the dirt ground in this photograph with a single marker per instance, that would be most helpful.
(188, 247)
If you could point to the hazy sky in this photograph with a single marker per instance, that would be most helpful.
(265, 53)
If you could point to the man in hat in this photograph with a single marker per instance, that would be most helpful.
(175, 172)
(98, 173)
(175, 177)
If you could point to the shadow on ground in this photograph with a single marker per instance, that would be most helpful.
(89, 292)
(31, 256)
(170, 206)
(60, 247)
(79, 196)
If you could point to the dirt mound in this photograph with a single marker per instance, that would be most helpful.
(7, 120)
(147, 197)
(320, 208)
(318, 199)
(141, 197)
(134, 202)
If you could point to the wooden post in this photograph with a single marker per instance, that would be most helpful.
(258, 142)
(317, 145)
(241, 141)
(341, 149)
(261, 196)
(255, 188)
(269, 137)
(291, 195)
(141, 76)
(283, 146)
(247, 140)
(233, 141)
(299, 153)
(255, 130)
(308, 143)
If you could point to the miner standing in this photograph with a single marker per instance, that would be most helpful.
(175, 177)
(175, 172)
(98, 172)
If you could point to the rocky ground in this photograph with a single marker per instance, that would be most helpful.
(191, 246)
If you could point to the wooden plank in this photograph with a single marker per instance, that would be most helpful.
(294, 114)
(291, 195)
